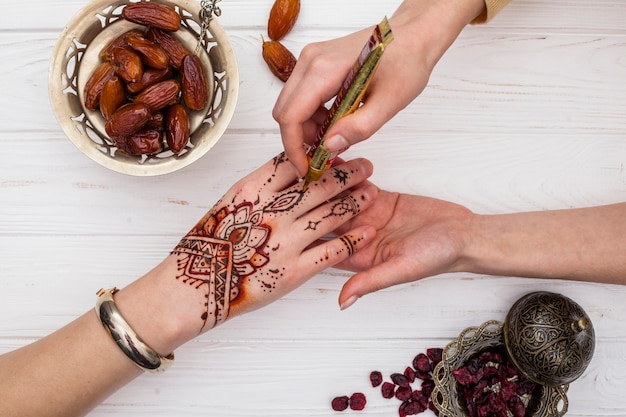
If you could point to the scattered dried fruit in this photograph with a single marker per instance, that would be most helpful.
(279, 59)
(340, 403)
(388, 389)
(152, 14)
(357, 401)
(283, 16)
(400, 380)
(489, 385)
(376, 378)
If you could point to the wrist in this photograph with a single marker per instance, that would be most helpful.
(164, 313)
(436, 23)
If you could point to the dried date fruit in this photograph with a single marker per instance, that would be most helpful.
(176, 127)
(156, 122)
(340, 403)
(283, 16)
(160, 95)
(112, 97)
(127, 64)
(120, 42)
(152, 14)
(95, 84)
(194, 85)
(143, 142)
(357, 401)
(174, 49)
(152, 54)
(149, 78)
(127, 120)
(279, 59)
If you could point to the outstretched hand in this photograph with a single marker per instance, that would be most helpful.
(416, 237)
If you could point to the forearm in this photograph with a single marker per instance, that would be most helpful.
(75, 368)
(586, 244)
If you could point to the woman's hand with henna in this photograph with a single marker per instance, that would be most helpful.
(263, 238)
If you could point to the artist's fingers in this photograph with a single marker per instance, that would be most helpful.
(329, 253)
(336, 180)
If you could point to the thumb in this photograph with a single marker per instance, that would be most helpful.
(356, 127)
(374, 279)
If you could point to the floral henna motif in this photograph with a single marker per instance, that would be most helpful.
(223, 248)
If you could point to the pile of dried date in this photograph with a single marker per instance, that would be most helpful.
(488, 385)
(139, 83)
(279, 59)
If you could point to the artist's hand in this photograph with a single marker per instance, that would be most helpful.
(262, 239)
(416, 237)
(423, 31)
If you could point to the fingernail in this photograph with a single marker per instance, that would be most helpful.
(336, 143)
(348, 302)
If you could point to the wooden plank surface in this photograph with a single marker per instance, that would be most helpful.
(526, 113)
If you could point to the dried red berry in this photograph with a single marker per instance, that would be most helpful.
(409, 373)
(376, 378)
(400, 380)
(357, 401)
(340, 403)
(387, 389)
(434, 354)
(409, 408)
(404, 393)
(428, 386)
(421, 363)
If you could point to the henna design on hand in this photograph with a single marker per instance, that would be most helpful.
(347, 205)
(229, 246)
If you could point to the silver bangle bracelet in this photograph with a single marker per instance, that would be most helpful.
(131, 344)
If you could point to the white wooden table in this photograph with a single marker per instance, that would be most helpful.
(526, 113)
